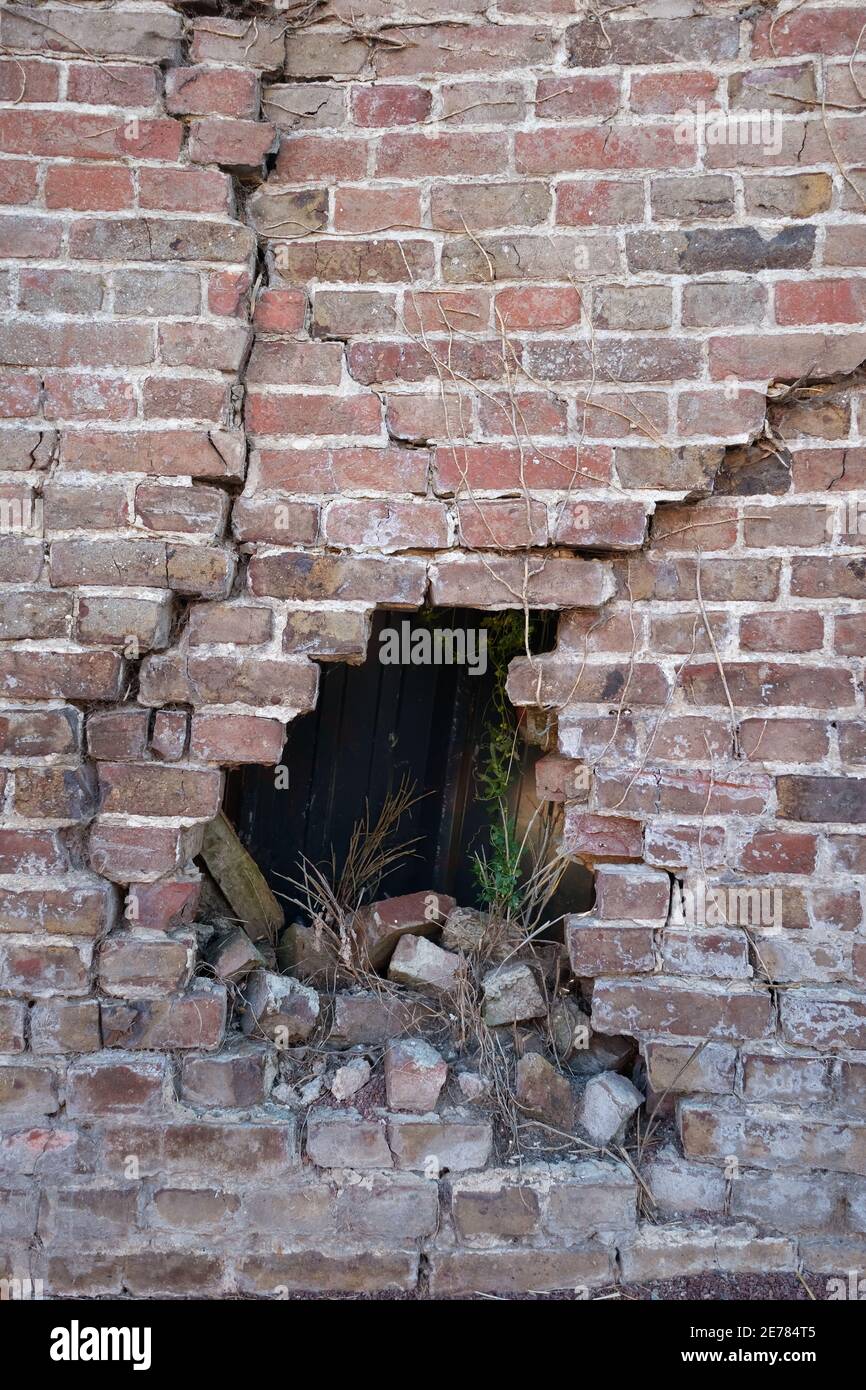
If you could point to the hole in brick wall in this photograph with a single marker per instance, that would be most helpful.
(407, 713)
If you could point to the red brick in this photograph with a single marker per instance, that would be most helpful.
(37, 732)
(538, 308)
(33, 851)
(576, 98)
(22, 236)
(802, 631)
(139, 853)
(110, 1086)
(342, 469)
(86, 397)
(227, 292)
(28, 80)
(112, 84)
(192, 398)
(596, 525)
(150, 790)
(768, 684)
(117, 733)
(649, 1007)
(811, 31)
(185, 190)
(505, 468)
(779, 851)
(387, 526)
(638, 147)
(19, 395)
(75, 344)
(275, 518)
(169, 734)
(83, 136)
(238, 145)
(820, 301)
(204, 91)
(312, 414)
(631, 894)
(35, 675)
(477, 48)
(375, 209)
(196, 510)
(668, 93)
(46, 968)
(163, 905)
(221, 346)
(86, 189)
(17, 181)
(595, 837)
(851, 634)
(280, 311)
(596, 948)
(599, 202)
(784, 740)
(321, 157)
(413, 156)
(236, 738)
(650, 41)
(386, 105)
(502, 525)
(166, 453)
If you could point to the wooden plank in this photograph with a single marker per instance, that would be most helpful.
(241, 881)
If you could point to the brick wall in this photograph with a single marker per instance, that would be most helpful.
(456, 302)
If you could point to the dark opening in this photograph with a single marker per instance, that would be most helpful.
(374, 725)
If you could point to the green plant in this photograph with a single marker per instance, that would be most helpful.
(513, 873)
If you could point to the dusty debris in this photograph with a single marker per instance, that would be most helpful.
(607, 1105)
(351, 1078)
(233, 955)
(380, 926)
(543, 1092)
(415, 1074)
(280, 1007)
(417, 961)
(511, 994)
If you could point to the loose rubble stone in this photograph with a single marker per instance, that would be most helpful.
(367, 1018)
(414, 1075)
(416, 961)
(233, 956)
(471, 931)
(380, 926)
(607, 1105)
(543, 1092)
(511, 994)
(301, 954)
(279, 1007)
(351, 1078)
(473, 1087)
(569, 1026)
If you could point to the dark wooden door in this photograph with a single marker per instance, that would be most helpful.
(373, 725)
